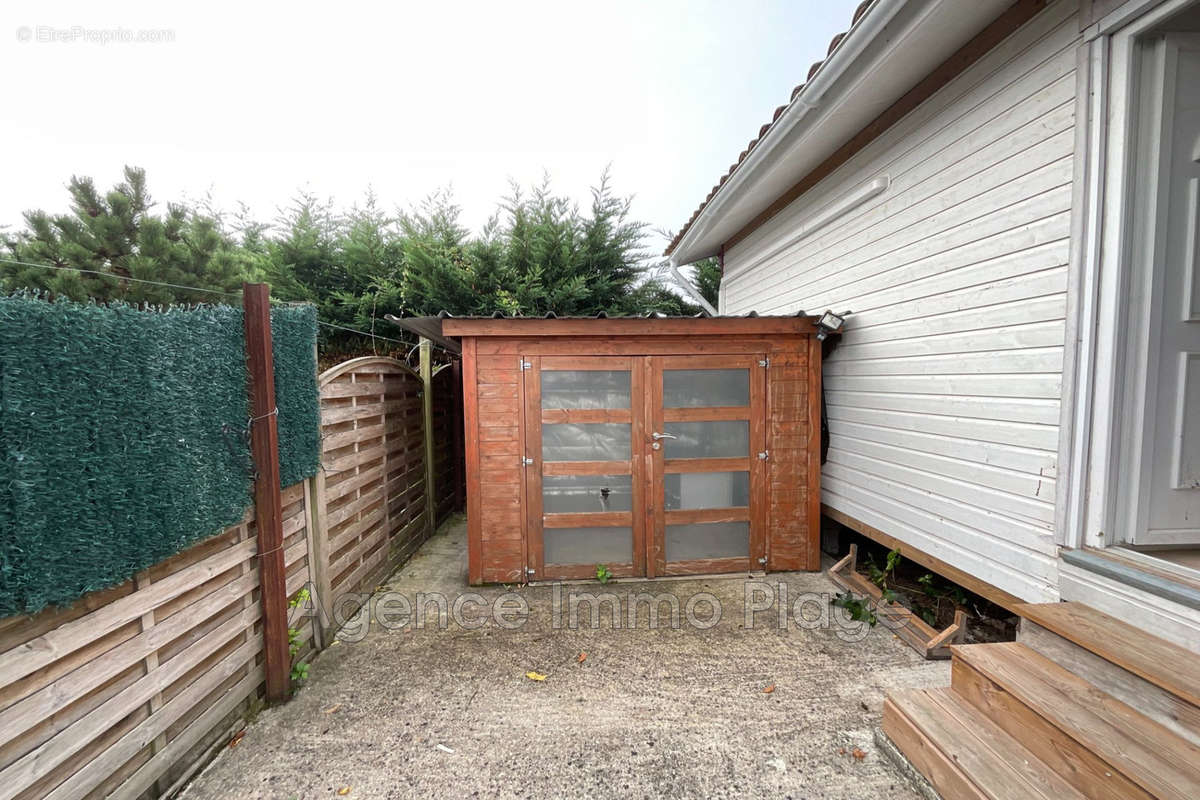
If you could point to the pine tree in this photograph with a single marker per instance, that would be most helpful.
(115, 237)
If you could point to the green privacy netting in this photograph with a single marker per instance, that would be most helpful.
(123, 437)
(294, 338)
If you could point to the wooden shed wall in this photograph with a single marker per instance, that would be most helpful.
(493, 404)
(794, 466)
(494, 473)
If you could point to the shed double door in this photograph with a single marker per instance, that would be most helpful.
(647, 465)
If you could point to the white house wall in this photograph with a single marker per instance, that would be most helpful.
(943, 396)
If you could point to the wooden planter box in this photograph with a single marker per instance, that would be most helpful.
(914, 631)
(653, 447)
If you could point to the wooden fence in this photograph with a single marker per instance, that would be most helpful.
(130, 690)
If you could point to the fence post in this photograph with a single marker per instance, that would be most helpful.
(427, 424)
(268, 505)
(318, 540)
(318, 555)
(456, 425)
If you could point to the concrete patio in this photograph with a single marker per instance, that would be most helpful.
(662, 712)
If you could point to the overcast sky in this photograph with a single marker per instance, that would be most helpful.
(253, 100)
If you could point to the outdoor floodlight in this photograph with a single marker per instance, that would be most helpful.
(828, 323)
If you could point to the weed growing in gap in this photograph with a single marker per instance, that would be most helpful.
(860, 607)
(935, 594)
(299, 669)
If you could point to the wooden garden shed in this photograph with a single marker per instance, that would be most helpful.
(668, 446)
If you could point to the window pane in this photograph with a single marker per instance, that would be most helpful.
(708, 540)
(565, 494)
(706, 490)
(585, 388)
(589, 441)
(689, 388)
(723, 439)
(587, 545)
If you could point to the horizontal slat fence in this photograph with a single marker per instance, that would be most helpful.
(374, 457)
(127, 692)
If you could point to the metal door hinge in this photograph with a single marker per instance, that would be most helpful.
(525, 462)
(764, 455)
(764, 362)
(525, 365)
(530, 570)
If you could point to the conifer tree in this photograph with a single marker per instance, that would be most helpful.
(538, 254)
(117, 235)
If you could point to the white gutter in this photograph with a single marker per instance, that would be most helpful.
(690, 288)
(872, 23)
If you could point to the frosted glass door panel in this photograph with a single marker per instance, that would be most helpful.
(589, 441)
(695, 388)
(722, 439)
(694, 490)
(570, 494)
(708, 540)
(587, 545)
(585, 388)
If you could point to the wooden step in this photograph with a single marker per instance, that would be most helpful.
(1099, 744)
(962, 753)
(1170, 667)
(1165, 708)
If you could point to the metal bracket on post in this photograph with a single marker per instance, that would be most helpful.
(426, 348)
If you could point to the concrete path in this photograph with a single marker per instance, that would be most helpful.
(649, 712)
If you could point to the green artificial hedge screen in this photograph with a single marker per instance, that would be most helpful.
(123, 436)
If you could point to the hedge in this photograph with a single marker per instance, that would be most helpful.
(123, 435)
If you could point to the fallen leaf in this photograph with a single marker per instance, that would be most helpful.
(345, 790)
(535, 676)
(582, 658)
(237, 738)
(333, 708)
(841, 751)
(859, 755)
(769, 689)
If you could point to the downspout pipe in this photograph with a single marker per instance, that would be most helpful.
(689, 288)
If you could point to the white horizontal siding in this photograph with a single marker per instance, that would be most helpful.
(943, 395)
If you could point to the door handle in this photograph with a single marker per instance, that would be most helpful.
(656, 436)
